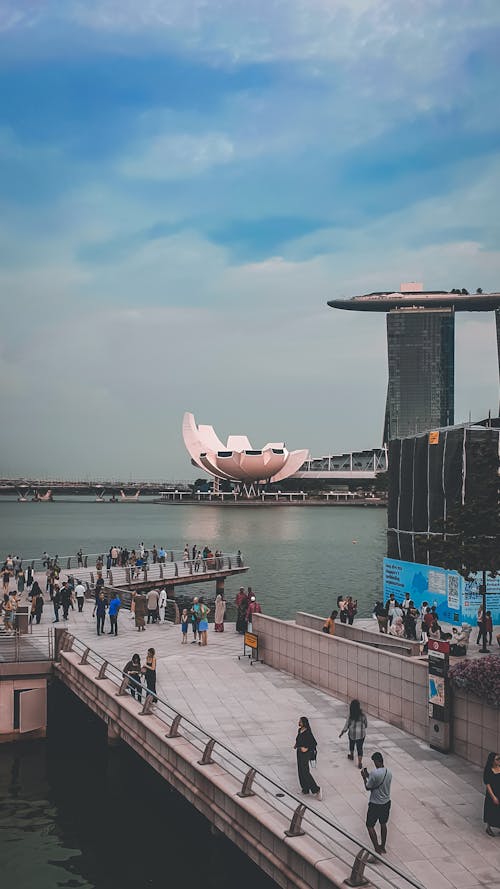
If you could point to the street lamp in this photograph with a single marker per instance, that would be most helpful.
(482, 590)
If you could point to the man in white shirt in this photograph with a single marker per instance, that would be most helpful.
(80, 595)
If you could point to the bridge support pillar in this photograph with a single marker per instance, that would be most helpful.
(170, 588)
(219, 586)
(113, 735)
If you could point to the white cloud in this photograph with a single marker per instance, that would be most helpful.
(178, 156)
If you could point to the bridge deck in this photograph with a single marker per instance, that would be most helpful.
(435, 831)
(169, 574)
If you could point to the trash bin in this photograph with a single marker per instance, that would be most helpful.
(21, 622)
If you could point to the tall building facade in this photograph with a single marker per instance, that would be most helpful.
(421, 351)
(421, 364)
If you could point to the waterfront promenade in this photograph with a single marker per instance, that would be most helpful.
(436, 830)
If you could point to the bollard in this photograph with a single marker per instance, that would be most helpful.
(173, 731)
(176, 570)
(85, 562)
(68, 564)
(246, 789)
(228, 562)
(206, 759)
(357, 877)
(295, 829)
(102, 672)
(92, 579)
(123, 687)
(110, 577)
(148, 703)
(84, 657)
(161, 571)
(67, 642)
(127, 574)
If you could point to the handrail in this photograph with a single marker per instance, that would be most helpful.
(68, 559)
(70, 642)
(19, 647)
(163, 572)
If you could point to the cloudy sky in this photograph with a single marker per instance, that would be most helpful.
(183, 186)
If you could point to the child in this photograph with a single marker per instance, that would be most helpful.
(184, 626)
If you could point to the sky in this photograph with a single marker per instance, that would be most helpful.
(184, 185)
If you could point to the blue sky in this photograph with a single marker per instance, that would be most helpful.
(183, 186)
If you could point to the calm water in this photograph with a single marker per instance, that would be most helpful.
(300, 558)
(74, 813)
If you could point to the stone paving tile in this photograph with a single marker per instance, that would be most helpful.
(436, 828)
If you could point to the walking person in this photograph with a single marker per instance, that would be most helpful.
(306, 747)
(21, 581)
(355, 726)
(80, 596)
(253, 608)
(352, 610)
(491, 779)
(140, 611)
(100, 612)
(114, 607)
(329, 624)
(56, 602)
(381, 615)
(195, 616)
(36, 607)
(378, 783)
(65, 599)
(203, 612)
(241, 602)
(342, 608)
(486, 629)
(220, 610)
(150, 672)
(162, 603)
(152, 598)
(7, 613)
(184, 625)
(134, 670)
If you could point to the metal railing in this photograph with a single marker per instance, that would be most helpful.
(90, 560)
(36, 645)
(352, 852)
(163, 573)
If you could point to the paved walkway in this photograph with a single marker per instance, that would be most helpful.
(436, 830)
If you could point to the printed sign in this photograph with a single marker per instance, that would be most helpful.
(437, 691)
(438, 645)
(252, 640)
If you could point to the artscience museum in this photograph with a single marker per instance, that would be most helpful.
(237, 460)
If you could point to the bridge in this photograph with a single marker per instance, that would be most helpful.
(222, 733)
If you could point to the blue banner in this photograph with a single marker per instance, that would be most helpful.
(456, 600)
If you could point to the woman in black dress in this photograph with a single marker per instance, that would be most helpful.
(150, 672)
(305, 745)
(491, 778)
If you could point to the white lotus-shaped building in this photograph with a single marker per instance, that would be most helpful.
(237, 460)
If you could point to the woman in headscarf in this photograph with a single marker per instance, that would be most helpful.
(220, 610)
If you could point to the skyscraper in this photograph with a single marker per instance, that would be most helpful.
(420, 352)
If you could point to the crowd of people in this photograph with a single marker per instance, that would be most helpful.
(405, 620)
